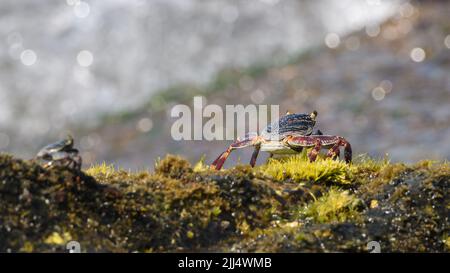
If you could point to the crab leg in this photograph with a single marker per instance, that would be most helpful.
(255, 155)
(312, 155)
(341, 142)
(218, 163)
(347, 150)
(334, 151)
(317, 141)
(213, 165)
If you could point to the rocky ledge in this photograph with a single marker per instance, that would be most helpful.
(285, 205)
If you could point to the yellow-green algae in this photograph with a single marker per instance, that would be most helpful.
(284, 205)
(334, 206)
(300, 170)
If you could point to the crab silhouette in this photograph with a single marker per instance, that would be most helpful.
(60, 153)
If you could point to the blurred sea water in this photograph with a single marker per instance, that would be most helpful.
(64, 63)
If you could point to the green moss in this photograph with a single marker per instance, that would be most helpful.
(171, 209)
(446, 241)
(301, 170)
(173, 166)
(102, 171)
(200, 166)
(286, 205)
(335, 206)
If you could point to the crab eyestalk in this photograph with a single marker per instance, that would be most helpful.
(69, 141)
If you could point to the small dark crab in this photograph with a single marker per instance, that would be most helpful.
(60, 153)
(289, 135)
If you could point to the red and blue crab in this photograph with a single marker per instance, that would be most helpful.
(289, 135)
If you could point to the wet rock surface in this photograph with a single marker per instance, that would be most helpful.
(183, 208)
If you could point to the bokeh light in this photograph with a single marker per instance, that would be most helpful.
(257, 96)
(373, 30)
(28, 57)
(378, 93)
(85, 58)
(332, 40)
(418, 54)
(81, 9)
(407, 9)
(386, 85)
(447, 41)
(144, 125)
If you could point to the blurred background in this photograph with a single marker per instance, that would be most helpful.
(109, 72)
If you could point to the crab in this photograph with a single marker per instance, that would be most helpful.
(289, 135)
(60, 153)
